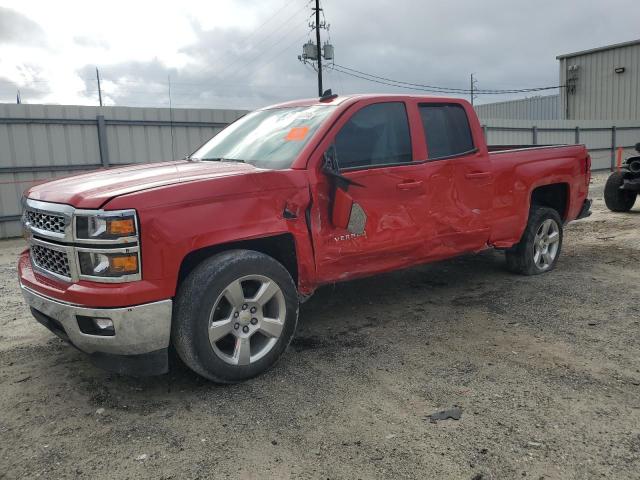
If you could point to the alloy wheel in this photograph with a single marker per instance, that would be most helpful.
(546, 244)
(247, 319)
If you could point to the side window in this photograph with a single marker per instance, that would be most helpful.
(376, 135)
(446, 129)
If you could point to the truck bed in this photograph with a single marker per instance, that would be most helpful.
(502, 148)
(518, 170)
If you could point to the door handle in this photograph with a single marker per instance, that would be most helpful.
(409, 185)
(478, 175)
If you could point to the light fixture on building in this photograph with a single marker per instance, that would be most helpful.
(619, 70)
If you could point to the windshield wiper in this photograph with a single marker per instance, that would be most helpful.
(221, 159)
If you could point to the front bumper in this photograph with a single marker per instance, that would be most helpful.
(138, 346)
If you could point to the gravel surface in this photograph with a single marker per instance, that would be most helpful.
(545, 371)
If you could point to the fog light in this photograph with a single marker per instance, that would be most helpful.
(96, 326)
(103, 323)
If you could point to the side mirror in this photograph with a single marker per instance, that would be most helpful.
(330, 161)
(345, 213)
(331, 169)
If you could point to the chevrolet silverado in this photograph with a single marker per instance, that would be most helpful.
(213, 254)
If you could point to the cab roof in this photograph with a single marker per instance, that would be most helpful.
(349, 99)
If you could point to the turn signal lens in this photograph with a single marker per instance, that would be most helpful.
(121, 226)
(124, 264)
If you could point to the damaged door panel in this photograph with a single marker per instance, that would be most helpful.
(460, 181)
(375, 198)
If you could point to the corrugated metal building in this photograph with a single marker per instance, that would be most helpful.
(602, 83)
(535, 108)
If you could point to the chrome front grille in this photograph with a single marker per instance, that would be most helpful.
(46, 221)
(55, 248)
(51, 260)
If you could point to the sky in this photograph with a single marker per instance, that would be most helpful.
(243, 53)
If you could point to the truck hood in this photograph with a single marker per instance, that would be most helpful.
(93, 190)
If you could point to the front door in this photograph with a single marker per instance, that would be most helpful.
(374, 223)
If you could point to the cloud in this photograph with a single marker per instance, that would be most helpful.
(90, 42)
(18, 29)
(244, 55)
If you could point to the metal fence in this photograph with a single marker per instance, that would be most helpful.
(602, 139)
(41, 142)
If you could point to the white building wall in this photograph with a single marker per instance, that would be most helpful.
(594, 90)
(535, 108)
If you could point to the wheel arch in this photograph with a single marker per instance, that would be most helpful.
(281, 247)
(553, 195)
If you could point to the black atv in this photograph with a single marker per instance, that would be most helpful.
(622, 187)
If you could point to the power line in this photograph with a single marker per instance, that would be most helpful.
(263, 48)
(11, 82)
(422, 86)
(238, 58)
(437, 89)
(261, 58)
(280, 52)
(252, 34)
(420, 89)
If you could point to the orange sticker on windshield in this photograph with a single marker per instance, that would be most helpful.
(297, 134)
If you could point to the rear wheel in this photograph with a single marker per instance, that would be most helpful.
(618, 200)
(235, 315)
(539, 249)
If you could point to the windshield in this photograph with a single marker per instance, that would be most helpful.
(266, 138)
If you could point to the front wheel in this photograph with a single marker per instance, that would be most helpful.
(539, 249)
(235, 315)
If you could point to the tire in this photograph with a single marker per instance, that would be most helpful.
(215, 310)
(537, 252)
(618, 200)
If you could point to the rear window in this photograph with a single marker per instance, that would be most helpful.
(446, 129)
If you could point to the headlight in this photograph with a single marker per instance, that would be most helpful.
(108, 245)
(109, 264)
(116, 225)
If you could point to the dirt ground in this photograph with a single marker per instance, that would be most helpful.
(546, 370)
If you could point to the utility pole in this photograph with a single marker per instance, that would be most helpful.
(18, 98)
(472, 85)
(99, 90)
(313, 52)
(173, 147)
(317, 9)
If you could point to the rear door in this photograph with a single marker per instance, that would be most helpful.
(460, 180)
(383, 211)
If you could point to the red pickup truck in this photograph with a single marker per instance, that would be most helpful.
(214, 253)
